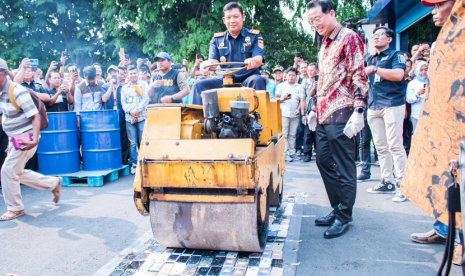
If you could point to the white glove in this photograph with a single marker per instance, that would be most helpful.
(354, 125)
(311, 119)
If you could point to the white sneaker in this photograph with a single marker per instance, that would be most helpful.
(133, 169)
(399, 197)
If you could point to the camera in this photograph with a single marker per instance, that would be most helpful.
(114, 78)
(355, 24)
(298, 54)
(59, 64)
(145, 60)
(65, 54)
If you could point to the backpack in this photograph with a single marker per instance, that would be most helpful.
(37, 102)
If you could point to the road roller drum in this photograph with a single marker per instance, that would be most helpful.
(207, 175)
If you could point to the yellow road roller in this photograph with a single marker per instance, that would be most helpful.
(207, 175)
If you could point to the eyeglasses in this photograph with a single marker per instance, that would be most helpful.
(380, 34)
(316, 20)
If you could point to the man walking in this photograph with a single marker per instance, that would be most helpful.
(15, 123)
(386, 110)
(339, 111)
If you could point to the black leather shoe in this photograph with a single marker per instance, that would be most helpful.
(326, 221)
(307, 157)
(337, 229)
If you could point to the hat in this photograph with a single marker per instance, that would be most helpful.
(112, 67)
(278, 68)
(163, 55)
(430, 3)
(3, 65)
(266, 71)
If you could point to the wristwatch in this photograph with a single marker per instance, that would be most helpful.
(173, 98)
(375, 69)
(360, 110)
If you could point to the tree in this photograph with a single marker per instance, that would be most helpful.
(44, 28)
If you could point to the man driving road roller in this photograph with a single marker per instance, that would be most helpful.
(237, 44)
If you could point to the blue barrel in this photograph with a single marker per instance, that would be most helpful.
(100, 140)
(58, 149)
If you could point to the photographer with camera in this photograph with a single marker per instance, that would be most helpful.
(54, 65)
(111, 97)
(59, 94)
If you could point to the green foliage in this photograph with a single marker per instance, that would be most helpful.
(95, 30)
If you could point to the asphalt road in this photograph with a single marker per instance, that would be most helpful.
(90, 226)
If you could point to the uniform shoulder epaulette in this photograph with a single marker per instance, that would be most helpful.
(220, 34)
(255, 32)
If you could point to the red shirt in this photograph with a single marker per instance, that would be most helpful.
(342, 84)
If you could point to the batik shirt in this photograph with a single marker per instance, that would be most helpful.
(342, 85)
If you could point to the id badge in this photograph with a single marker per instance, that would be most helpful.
(377, 78)
(130, 100)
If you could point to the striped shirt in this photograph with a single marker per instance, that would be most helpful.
(130, 100)
(15, 122)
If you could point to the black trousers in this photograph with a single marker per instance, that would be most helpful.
(299, 138)
(3, 146)
(367, 136)
(407, 134)
(336, 163)
(309, 140)
(124, 143)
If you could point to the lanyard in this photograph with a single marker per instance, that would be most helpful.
(92, 93)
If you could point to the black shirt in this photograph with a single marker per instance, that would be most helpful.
(57, 106)
(384, 93)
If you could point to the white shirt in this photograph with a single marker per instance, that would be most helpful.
(288, 107)
(413, 98)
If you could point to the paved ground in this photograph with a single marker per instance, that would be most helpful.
(92, 226)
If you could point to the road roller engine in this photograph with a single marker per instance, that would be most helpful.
(207, 175)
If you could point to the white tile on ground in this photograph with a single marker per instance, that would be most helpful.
(252, 271)
(230, 262)
(156, 266)
(239, 271)
(282, 233)
(277, 271)
(278, 246)
(277, 255)
(226, 271)
(177, 269)
(264, 263)
(166, 269)
(274, 227)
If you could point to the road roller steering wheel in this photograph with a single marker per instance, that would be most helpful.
(229, 71)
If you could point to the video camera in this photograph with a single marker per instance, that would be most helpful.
(355, 24)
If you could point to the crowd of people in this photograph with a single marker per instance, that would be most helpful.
(336, 107)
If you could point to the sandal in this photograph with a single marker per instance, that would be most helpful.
(56, 191)
(12, 215)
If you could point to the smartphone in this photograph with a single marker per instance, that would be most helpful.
(289, 95)
(59, 64)
(34, 62)
(424, 86)
(75, 70)
(317, 77)
(65, 53)
(126, 56)
(114, 78)
(298, 54)
(198, 56)
(145, 60)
